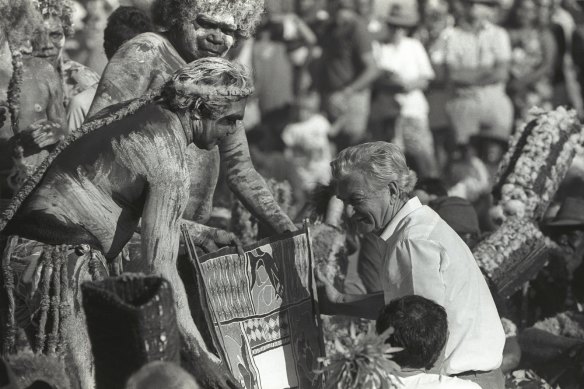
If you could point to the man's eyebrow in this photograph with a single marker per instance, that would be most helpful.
(221, 25)
(237, 116)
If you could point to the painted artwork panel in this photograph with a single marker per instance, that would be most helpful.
(264, 313)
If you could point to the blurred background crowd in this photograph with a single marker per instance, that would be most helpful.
(447, 80)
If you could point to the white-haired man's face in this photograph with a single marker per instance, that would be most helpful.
(369, 208)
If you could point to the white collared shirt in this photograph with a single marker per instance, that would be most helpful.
(435, 381)
(424, 256)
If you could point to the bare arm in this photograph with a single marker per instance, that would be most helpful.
(392, 83)
(365, 306)
(248, 185)
(160, 240)
(305, 32)
(367, 76)
(480, 76)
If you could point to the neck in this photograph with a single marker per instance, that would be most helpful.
(392, 211)
(408, 372)
(189, 126)
(471, 25)
(171, 35)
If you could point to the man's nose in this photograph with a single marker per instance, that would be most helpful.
(216, 37)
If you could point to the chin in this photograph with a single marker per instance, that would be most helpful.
(363, 228)
(205, 145)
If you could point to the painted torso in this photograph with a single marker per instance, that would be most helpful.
(94, 191)
(146, 62)
(41, 98)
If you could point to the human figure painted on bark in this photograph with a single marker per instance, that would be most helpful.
(195, 29)
(31, 100)
(129, 163)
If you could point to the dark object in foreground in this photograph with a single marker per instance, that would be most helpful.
(131, 321)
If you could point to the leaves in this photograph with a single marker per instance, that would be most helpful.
(361, 360)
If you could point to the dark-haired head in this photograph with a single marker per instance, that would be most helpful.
(420, 328)
(122, 25)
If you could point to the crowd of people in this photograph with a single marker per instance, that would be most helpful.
(123, 122)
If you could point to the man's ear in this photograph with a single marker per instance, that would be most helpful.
(196, 109)
(393, 189)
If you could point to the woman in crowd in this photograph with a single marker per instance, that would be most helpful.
(533, 54)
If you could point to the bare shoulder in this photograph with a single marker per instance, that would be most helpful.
(130, 71)
(153, 146)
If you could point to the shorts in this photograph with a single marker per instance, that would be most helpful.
(414, 136)
(480, 110)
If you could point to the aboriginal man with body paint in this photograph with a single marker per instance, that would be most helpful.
(127, 164)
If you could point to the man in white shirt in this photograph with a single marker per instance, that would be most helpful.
(420, 327)
(405, 72)
(422, 256)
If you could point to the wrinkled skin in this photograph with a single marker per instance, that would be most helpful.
(206, 37)
(145, 63)
(97, 196)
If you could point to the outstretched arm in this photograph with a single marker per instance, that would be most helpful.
(248, 185)
(160, 239)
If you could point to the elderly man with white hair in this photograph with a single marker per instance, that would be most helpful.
(422, 256)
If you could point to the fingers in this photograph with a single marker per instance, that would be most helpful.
(233, 385)
(238, 245)
(210, 246)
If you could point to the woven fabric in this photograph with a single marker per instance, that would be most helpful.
(264, 314)
(131, 321)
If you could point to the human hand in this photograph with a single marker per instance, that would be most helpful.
(44, 133)
(211, 373)
(213, 239)
(331, 293)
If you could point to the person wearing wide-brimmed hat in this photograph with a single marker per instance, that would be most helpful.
(567, 228)
(475, 60)
(405, 71)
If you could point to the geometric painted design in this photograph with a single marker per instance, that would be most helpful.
(264, 313)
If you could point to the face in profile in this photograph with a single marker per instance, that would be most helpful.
(49, 40)
(212, 130)
(365, 206)
(206, 36)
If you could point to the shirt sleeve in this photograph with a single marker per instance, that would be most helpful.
(78, 108)
(502, 45)
(424, 259)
